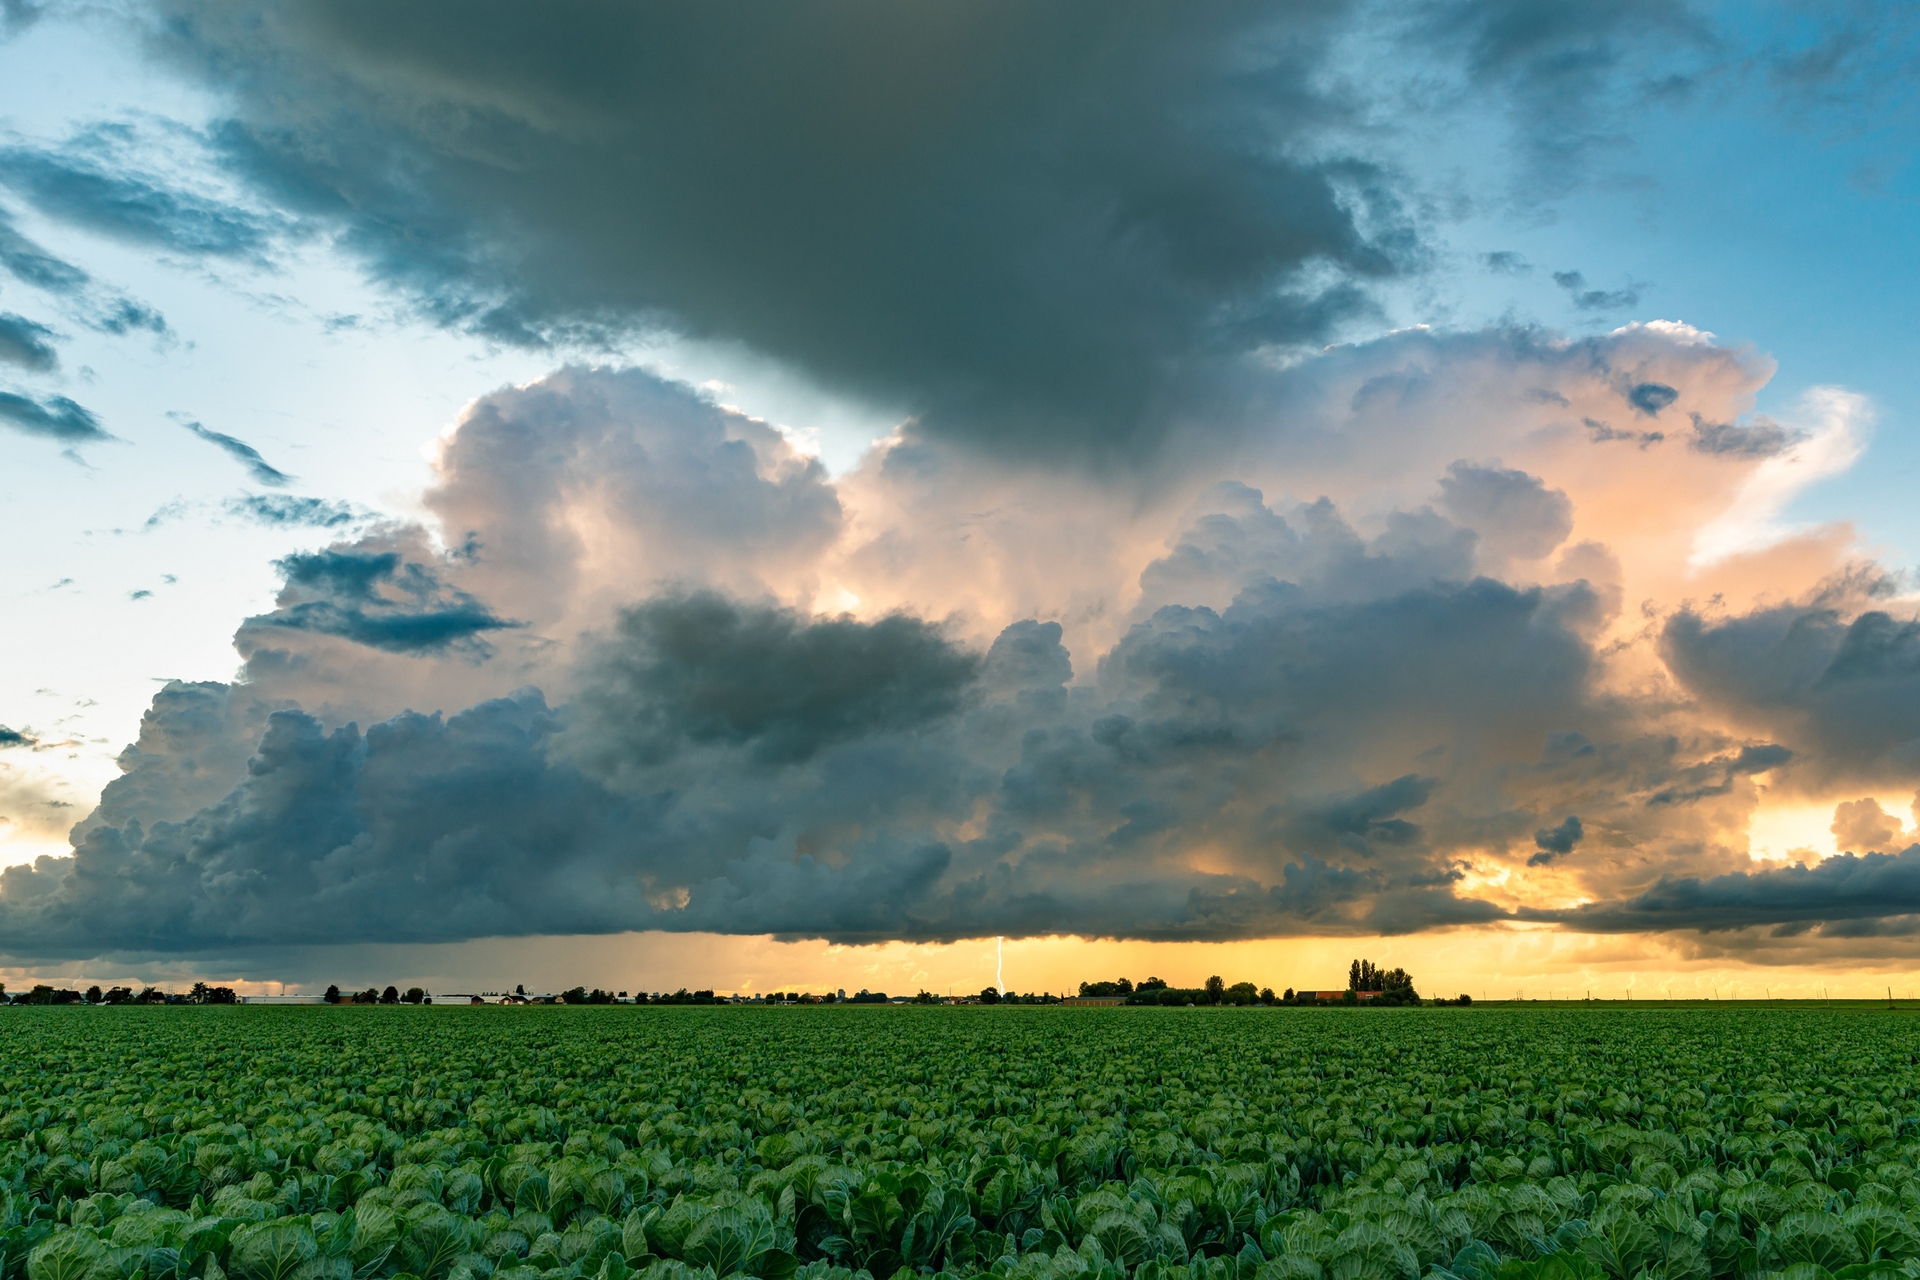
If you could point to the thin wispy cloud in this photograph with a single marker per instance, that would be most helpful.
(1586, 299)
(290, 510)
(95, 179)
(27, 344)
(55, 417)
(240, 451)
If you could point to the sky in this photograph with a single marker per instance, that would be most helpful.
(925, 495)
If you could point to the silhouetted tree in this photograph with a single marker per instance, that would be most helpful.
(1216, 988)
(333, 995)
(1393, 986)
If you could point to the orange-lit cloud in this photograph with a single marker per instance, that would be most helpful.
(1490, 644)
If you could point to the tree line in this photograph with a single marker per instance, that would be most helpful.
(42, 993)
(1367, 984)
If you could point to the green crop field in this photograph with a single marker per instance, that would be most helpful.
(685, 1144)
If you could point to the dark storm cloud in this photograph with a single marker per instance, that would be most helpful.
(1028, 657)
(289, 510)
(89, 183)
(1277, 659)
(1845, 691)
(15, 738)
(26, 344)
(1716, 777)
(1360, 822)
(55, 417)
(735, 768)
(242, 452)
(957, 795)
(465, 808)
(1834, 891)
(1514, 513)
(1556, 842)
(703, 669)
(1045, 225)
(378, 599)
(1307, 729)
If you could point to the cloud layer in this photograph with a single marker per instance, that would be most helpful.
(692, 683)
(1119, 217)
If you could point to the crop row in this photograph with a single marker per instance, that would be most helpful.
(1042, 1144)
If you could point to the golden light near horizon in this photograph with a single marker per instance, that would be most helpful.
(1533, 964)
(1788, 831)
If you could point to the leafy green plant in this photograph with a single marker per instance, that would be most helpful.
(699, 1143)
